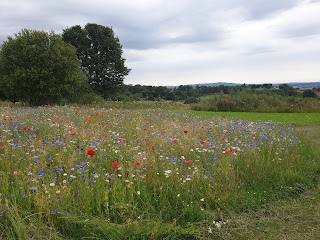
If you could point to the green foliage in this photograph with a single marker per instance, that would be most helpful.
(249, 102)
(37, 67)
(191, 100)
(100, 53)
(309, 93)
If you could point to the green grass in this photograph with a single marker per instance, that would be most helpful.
(297, 119)
(178, 172)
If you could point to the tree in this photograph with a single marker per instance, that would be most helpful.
(100, 54)
(37, 67)
(309, 93)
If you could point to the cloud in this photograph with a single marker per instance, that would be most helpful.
(189, 41)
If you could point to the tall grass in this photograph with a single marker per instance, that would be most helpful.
(98, 172)
(246, 102)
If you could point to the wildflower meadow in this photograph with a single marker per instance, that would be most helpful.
(109, 173)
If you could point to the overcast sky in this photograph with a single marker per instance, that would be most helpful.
(173, 42)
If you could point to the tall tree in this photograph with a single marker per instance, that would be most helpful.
(38, 67)
(100, 54)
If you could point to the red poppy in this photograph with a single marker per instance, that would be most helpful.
(189, 162)
(153, 148)
(229, 151)
(174, 140)
(205, 143)
(138, 164)
(123, 142)
(91, 152)
(73, 133)
(24, 129)
(89, 120)
(185, 131)
(115, 164)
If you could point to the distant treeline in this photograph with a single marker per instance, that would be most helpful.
(192, 94)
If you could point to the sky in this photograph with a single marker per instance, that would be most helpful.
(180, 42)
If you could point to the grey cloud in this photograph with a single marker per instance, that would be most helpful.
(261, 8)
(301, 31)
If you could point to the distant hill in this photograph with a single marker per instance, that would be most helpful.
(210, 84)
(299, 85)
(217, 84)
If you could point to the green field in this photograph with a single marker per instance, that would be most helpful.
(79, 172)
(297, 119)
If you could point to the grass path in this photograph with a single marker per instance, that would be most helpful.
(292, 219)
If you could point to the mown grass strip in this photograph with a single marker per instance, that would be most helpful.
(296, 119)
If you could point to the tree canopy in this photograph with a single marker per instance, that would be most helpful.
(100, 54)
(38, 67)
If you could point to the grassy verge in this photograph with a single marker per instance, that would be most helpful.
(297, 119)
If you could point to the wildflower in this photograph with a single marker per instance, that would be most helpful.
(138, 192)
(24, 129)
(91, 152)
(189, 162)
(15, 173)
(138, 164)
(185, 131)
(217, 224)
(73, 133)
(153, 148)
(24, 196)
(229, 151)
(115, 164)
(205, 143)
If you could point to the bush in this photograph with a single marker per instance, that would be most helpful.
(191, 100)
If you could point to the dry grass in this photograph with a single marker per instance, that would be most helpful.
(310, 132)
(293, 219)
